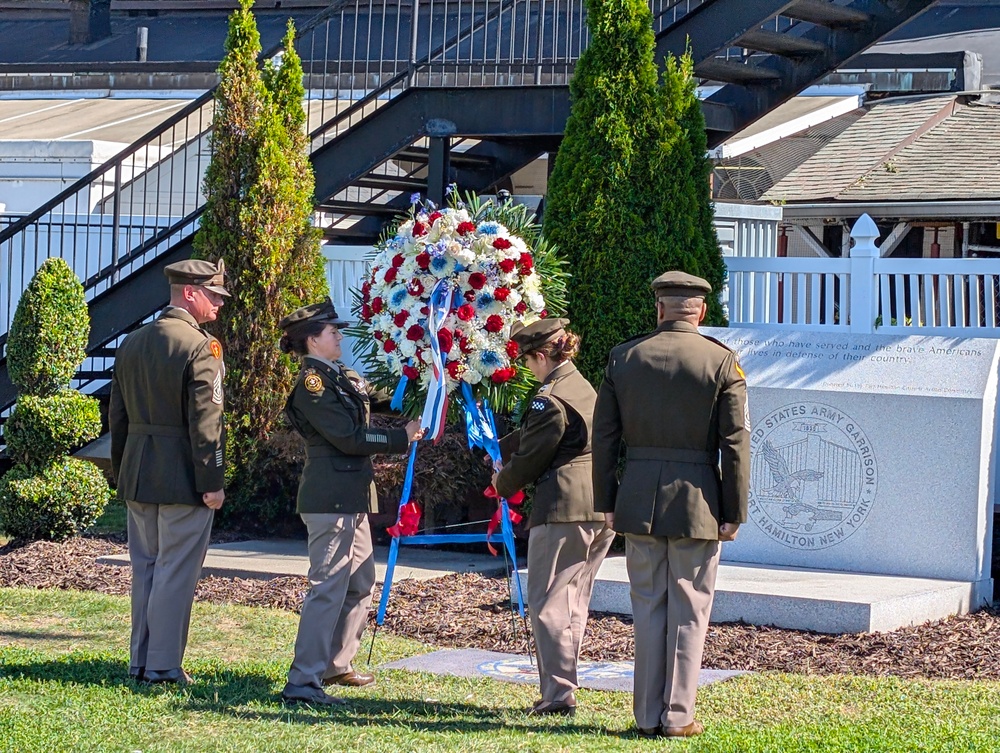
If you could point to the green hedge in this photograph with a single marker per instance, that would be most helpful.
(58, 501)
(42, 428)
(49, 333)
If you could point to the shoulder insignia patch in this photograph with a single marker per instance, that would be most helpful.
(313, 381)
(216, 347)
(539, 403)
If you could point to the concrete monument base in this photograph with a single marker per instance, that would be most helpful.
(804, 599)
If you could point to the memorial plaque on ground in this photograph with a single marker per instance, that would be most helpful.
(870, 453)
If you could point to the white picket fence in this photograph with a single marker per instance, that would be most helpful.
(866, 293)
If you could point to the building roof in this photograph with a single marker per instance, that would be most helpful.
(933, 148)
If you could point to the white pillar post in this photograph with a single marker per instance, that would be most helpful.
(864, 298)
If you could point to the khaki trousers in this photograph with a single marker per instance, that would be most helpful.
(167, 545)
(672, 583)
(563, 559)
(335, 611)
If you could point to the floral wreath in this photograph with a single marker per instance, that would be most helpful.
(444, 287)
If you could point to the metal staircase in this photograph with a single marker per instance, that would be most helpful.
(406, 96)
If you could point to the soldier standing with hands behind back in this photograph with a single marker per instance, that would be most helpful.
(678, 400)
(167, 456)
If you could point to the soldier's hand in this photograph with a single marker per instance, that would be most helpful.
(414, 432)
(609, 520)
(493, 481)
(727, 531)
(214, 500)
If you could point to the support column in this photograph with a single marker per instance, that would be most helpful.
(438, 168)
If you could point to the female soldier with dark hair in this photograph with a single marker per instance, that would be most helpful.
(567, 540)
(330, 407)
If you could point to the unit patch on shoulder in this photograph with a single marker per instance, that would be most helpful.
(313, 381)
(739, 369)
(216, 347)
(539, 403)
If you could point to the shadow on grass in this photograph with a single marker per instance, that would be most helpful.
(255, 697)
(45, 635)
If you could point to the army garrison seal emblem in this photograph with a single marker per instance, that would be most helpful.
(813, 475)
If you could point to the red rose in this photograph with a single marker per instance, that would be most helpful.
(389, 345)
(455, 369)
(425, 310)
(464, 228)
(390, 274)
(464, 344)
(415, 332)
(433, 217)
(366, 288)
(400, 319)
(521, 307)
(507, 265)
(502, 375)
(397, 260)
(377, 305)
(465, 312)
(379, 335)
(512, 349)
(415, 287)
(366, 312)
(477, 280)
(419, 229)
(445, 339)
(526, 262)
(501, 294)
(423, 260)
(470, 295)
(501, 244)
(494, 323)
(410, 372)
(545, 313)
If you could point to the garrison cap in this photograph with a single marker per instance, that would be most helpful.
(533, 336)
(207, 274)
(681, 284)
(323, 312)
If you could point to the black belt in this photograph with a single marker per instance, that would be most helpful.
(671, 455)
(156, 430)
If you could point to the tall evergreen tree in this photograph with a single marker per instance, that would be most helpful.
(629, 197)
(258, 191)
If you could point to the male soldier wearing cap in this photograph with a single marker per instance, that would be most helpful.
(168, 454)
(567, 540)
(330, 407)
(677, 399)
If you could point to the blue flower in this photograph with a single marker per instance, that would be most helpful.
(439, 264)
(438, 249)
(398, 296)
(484, 300)
(449, 189)
(414, 198)
(489, 228)
(490, 358)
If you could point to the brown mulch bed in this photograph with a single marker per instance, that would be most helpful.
(469, 610)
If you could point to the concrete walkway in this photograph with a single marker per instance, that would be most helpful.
(273, 558)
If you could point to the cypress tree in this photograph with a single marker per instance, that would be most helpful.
(258, 190)
(629, 197)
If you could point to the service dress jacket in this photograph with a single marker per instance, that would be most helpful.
(166, 412)
(330, 407)
(552, 449)
(678, 401)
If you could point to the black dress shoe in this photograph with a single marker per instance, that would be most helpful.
(559, 708)
(353, 679)
(309, 694)
(136, 673)
(176, 676)
(649, 731)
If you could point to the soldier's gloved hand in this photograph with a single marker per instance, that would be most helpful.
(214, 500)
(727, 531)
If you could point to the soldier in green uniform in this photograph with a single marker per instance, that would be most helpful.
(168, 455)
(677, 401)
(567, 540)
(329, 407)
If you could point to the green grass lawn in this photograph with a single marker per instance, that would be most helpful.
(64, 687)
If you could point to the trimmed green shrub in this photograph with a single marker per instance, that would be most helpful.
(48, 495)
(58, 501)
(629, 196)
(258, 218)
(48, 336)
(42, 428)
